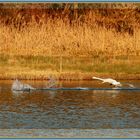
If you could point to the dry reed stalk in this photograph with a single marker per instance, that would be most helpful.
(56, 37)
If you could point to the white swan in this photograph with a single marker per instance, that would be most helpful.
(109, 80)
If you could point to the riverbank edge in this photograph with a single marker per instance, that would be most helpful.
(70, 76)
(69, 133)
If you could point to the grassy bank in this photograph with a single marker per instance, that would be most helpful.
(76, 50)
(69, 68)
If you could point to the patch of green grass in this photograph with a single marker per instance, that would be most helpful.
(100, 65)
(4, 59)
(122, 57)
(38, 62)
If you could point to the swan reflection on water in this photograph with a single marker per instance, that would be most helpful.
(112, 93)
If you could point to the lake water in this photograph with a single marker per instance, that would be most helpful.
(105, 109)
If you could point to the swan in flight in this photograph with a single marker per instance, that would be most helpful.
(109, 80)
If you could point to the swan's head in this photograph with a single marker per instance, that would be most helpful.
(94, 77)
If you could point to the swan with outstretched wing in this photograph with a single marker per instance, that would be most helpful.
(109, 80)
(113, 82)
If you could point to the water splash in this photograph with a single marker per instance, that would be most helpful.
(129, 85)
(52, 83)
(18, 86)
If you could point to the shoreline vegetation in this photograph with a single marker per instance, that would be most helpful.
(69, 41)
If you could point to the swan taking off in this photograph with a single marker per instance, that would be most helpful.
(109, 80)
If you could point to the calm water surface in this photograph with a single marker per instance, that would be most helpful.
(69, 109)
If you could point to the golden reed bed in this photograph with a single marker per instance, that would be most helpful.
(29, 49)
